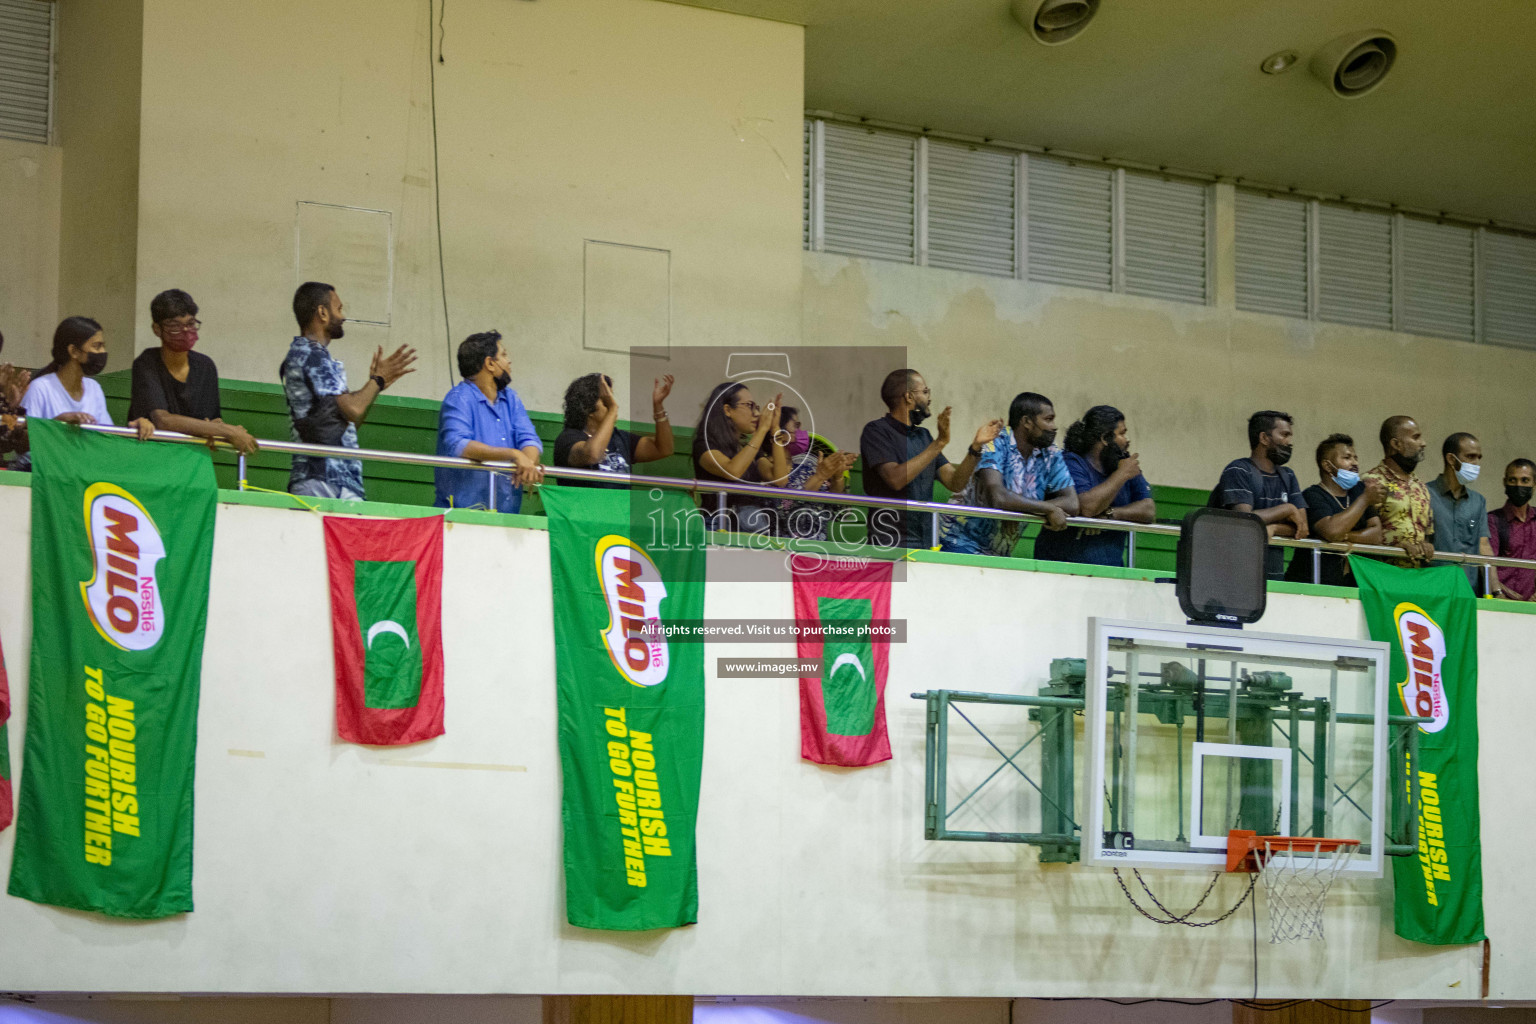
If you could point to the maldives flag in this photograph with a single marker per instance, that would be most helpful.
(842, 710)
(6, 807)
(386, 627)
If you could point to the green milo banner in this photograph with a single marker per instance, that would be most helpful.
(631, 706)
(1429, 616)
(122, 541)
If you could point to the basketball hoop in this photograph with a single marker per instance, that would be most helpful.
(1297, 872)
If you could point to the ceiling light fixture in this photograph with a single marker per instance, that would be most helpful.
(1054, 21)
(1278, 62)
(1356, 63)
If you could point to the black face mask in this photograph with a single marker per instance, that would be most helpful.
(502, 381)
(95, 362)
(1044, 439)
(1407, 463)
(918, 414)
(1280, 454)
(1518, 495)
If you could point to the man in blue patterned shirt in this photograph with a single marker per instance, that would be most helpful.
(1020, 471)
(323, 410)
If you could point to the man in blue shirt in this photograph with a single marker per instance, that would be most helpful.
(483, 419)
(322, 409)
(1107, 476)
(1020, 471)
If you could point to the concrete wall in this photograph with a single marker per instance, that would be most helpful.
(327, 867)
(647, 124)
(96, 124)
(30, 177)
(1186, 376)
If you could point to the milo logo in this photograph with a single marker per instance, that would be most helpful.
(1423, 643)
(633, 589)
(123, 593)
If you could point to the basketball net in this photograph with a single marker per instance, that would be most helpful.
(1297, 874)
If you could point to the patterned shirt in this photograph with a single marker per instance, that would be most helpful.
(312, 378)
(1045, 472)
(1406, 514)
(804, 520)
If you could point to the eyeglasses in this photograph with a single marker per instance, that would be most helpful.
(167, 327)
(750, 405)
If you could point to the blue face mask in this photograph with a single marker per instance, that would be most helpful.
(1467, 472)
(1346, 478)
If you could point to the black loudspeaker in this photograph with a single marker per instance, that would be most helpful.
(1221, 567)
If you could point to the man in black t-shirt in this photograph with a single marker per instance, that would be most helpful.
(902, 459)
(1262, 485)
(591, 438)
(176, 388)
(1339, 509)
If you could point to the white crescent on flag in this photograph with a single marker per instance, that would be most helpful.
(847, 659)
(387, 626)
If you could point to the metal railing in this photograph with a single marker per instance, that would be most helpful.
(696, 487)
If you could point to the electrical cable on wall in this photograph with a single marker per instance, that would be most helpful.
(437, 179)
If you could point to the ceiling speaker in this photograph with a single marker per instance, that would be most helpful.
(1354, 64)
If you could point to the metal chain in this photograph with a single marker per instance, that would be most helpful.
(1184, 918)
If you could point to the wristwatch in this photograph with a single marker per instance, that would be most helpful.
(378, 380)
(973, 451)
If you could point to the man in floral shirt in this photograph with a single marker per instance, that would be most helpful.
(1407, 520)
(323, 409)
(1019, 471)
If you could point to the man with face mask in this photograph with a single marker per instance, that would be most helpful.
(483, 419)
(1513, 531)
(1460, 513)
(322, 409)
(1263, 485)
(1407, 517)
(1340, 509)
(1020, 471)
(902, 459)
(175, 387)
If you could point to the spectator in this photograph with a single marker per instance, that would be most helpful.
(1340, 509)
(64, 389)
(1407, 518)
(175, 387)
(1262, 484)
(811, 457)
(1020, 470)
(902, 459)
(737, 440)
(1460, 513)
(1512, 531)
(13, 384)
(1107, 477)
(315, 385)
(591, 439)
(483, 419)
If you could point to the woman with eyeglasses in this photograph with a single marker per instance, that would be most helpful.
(738, 440)
(734, 442)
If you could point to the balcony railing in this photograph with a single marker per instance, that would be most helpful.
(697, 487)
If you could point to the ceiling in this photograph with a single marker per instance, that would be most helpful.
(1176, 83)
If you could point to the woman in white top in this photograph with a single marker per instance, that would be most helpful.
(64, 390)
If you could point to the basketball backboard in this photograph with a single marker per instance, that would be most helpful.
(1226, 729)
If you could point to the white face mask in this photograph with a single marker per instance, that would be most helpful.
(1468, 472)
